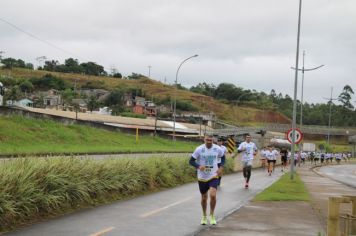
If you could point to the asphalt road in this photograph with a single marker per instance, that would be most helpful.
(170, 212)
(342, 173)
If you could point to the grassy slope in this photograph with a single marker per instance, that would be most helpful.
(285, 189)
(234, 115)
(20, 135)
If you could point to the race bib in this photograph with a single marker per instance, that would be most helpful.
(208, 169)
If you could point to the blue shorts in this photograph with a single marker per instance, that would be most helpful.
(204, 186)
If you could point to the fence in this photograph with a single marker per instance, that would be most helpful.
(341, 224)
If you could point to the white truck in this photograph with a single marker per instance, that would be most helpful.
(309, 147)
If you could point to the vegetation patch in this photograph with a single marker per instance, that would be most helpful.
(285, 189)
(36, 188)
(23, 136)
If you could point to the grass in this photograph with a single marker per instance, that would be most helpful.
(27, 136)
(285, 189)
(37, 188)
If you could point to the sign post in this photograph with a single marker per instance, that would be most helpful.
(298, 136)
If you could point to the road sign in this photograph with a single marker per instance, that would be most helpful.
(230, 145)
(298, 136)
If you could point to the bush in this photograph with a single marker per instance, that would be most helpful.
(37, 187)
(134, 115)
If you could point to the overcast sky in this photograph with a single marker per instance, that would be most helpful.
(250, 43)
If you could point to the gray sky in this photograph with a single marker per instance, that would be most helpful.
(251, 44)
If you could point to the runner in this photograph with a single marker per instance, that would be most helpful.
(263, 158)
(224, 149)
(249, 150)
(303, 156)
(284, 158)
(209, 160)
(271, 155)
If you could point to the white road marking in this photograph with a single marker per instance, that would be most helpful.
(102, 232)
(164, 208)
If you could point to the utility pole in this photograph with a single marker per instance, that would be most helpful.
(330, 104)
(149, 71)
(40, 60)
(1, 52)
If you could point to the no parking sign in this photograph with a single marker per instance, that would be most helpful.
(298, 136)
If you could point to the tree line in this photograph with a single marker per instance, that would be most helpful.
(342, 114)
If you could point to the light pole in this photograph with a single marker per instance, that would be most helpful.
(149, 71)
(295, 94)
(175, 96)
(301, 100)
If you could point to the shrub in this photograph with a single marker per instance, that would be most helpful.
(37, 187)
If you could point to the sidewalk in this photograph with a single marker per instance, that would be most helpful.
(284, 218)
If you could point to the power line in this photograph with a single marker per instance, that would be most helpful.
(39, 39)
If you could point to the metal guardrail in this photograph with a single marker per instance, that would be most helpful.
(312, 129)
(320, 130)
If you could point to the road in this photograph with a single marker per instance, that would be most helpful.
(345, 174)
(170, 212)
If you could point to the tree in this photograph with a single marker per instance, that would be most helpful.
(26, 86)
(67, 96)
(345, 97)
(13, 94)
(91, 68)
(117, 75)
(92, 103)
(51, 65)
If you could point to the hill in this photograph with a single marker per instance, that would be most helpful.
(158, 91)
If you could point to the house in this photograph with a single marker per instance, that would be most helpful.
(139, 101)
(51, 98)
(144, 107)
(97, 93)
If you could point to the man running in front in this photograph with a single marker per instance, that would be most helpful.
(209, 160)
(249, 150)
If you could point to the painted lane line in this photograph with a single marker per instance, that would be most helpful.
(164, 208)
(102, 232)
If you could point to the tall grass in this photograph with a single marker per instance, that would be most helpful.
(19, 135)
(33, 188)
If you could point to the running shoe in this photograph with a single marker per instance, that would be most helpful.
(246, 185)
(212, 220)
(204, 220)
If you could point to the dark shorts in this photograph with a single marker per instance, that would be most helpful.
(284, 159)
(271, 161)
(204, 186)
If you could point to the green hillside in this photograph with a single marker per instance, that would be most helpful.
(20, 135)
(158, 92)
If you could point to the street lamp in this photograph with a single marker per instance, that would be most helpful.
(295, 93)
(175, 96)
(301, 100)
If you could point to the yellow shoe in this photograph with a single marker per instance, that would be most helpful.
(204, 220)
(212, 220)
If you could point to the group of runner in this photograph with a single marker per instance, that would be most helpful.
(321, 157)
(209, 160)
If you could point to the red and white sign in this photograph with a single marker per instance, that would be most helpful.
(298, 136)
